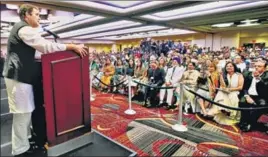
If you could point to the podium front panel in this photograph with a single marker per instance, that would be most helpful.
(66, 96)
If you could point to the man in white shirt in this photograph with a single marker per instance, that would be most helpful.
(173, 77)
(19, 72)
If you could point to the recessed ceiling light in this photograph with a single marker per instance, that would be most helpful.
(11, 6)
(223, 25)
(43, 11)
(248, 24)
(249, 21)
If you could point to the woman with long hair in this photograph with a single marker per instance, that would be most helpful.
(140, 76)
(208, 88)
(119, 73)
(162, 64)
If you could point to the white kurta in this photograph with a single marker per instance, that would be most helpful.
(20, 95)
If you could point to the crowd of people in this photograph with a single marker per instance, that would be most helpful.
(236, 78)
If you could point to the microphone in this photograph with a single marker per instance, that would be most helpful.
(51, 33)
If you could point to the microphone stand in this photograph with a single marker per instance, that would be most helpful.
(53, 34)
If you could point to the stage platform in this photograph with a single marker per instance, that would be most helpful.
(95, 142)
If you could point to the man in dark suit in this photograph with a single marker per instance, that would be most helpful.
(156, 77)
(254, 95)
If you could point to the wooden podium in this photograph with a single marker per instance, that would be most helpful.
(66, 98)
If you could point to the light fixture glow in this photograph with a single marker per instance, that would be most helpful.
(250, 21)
(99, 28)
(159, 33)
(11, 6)
(197, 8)
(248, 24)
(120, 32)
(223, 25)
(74, 20)
(43, 12)
(76, 23)
(206, 11)
(95, 5)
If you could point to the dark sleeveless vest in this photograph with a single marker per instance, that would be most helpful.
(20, 60)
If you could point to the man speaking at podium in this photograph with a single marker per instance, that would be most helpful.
(20, 70)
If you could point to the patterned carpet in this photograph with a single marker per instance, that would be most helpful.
(149, 131)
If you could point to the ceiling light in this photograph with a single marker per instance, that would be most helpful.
(11, 6)
(249, 21)
(201, 10)
(142, 35)
(91, 4)
(223, 25)
(197, 8)
(248, 24)
(43, 12)
(4, 24)
(75, 20)
(99, 28)
(120, 32)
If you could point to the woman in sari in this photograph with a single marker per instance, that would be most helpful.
(108, 72)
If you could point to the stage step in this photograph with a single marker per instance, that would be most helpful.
(6, 125)
(3, 85)
(4, 101)
(99, 145)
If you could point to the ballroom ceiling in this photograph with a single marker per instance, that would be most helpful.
(118, 20)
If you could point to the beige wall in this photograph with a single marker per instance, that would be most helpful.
(100, 47)
(215, 41)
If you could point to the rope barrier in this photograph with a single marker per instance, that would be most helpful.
(110, 86)
(157, 87)
(196, 94)
(224, 106)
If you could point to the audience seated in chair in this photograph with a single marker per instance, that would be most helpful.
(189, 78)
(156, 77)
(207, 87)
(172, 78)
(254, 95)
